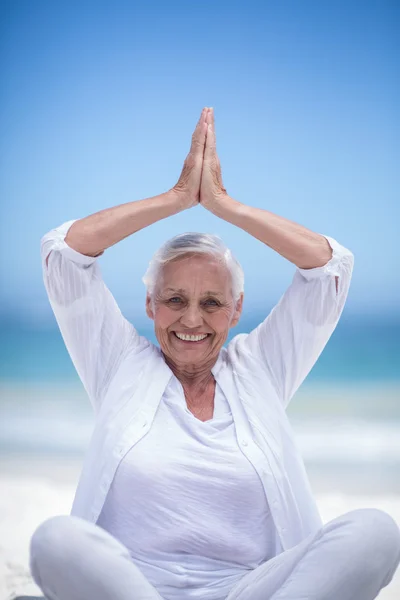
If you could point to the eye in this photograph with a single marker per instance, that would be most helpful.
(211, 302)
(175, 300)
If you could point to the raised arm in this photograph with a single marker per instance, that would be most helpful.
(302, 247)
(94, 234)
(96, 334)
(289, 341)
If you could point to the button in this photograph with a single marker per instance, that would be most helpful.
(144, 423)
(275, 502)
(245, 442)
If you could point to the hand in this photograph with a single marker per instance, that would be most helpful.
(188, 186)
(211, 188)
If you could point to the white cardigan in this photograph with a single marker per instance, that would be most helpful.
(125, 376)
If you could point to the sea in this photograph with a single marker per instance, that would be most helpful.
(345, 415)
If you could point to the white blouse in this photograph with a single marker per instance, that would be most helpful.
(132, 390)
(188, 505)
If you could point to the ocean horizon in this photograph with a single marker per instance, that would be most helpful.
(362, 348)
(346, 414)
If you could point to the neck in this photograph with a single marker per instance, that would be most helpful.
(192, 375)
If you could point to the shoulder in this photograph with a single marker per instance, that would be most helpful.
(240, 353)
(143, 362)
(140, 347)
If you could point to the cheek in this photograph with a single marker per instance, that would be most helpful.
(220, 321)
(164, 317)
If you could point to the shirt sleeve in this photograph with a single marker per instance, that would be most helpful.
(96, 334)
(290, 340)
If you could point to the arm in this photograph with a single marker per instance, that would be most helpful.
(291, 338)
(301, 246)
(97, 336)
(95, 233)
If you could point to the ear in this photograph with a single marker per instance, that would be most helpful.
(238, 311)
(149, 307)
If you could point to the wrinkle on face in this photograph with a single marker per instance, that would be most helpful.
(193, 296)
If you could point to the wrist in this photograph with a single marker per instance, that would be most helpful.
(223, 206)
(177, 199)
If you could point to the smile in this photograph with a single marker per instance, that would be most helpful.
(191, 338)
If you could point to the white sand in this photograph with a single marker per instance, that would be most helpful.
(30, 494)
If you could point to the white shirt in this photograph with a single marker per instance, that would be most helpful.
(126, 379)
(188, 505)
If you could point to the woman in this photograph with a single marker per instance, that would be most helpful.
(193, 486)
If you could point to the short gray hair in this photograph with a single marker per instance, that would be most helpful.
(194, 243)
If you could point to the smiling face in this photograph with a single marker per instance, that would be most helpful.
(193, 297)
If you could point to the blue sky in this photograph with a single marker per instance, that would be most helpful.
(99, 100)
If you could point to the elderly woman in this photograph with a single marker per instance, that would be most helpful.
(193, 486)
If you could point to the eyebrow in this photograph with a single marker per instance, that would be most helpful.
(182, 291)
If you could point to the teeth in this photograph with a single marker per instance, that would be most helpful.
(190, 338)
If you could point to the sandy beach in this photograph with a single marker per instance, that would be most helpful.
(34, 490)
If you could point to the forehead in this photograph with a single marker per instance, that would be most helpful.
(202, 271)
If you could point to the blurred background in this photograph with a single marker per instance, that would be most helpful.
(98, 104)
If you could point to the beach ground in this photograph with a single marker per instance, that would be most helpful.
(34, 490)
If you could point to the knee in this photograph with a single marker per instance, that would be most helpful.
(52, 540)
(377, 537)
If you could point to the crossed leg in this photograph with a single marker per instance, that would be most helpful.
(72, 559)
(350, 558)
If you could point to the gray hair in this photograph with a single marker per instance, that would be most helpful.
(194, 243)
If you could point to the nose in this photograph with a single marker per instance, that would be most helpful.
(192, 317)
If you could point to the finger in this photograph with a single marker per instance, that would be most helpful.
(211, 117)
(202, 116)
(202, 138)
(210, 120)
(199, 134)
(213, 124)
(210, 149)
(212, 114)
(201, 120)
(198, 127)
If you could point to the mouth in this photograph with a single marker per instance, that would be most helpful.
(191, 339)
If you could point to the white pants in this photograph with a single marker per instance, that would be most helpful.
(351, 558)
